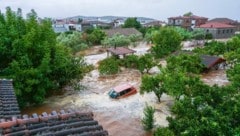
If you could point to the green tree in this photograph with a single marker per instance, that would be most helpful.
(116, 40)
(163, 132)
(188, 14)
(233, 75)
(200, 109)
(132, 23)
(96, 36)
(152, 84)
(198, 34)
(208, 111)
(135, 38)
(130, 61)
(146, 62)
(208, 36)
(150, 33)
(212, 48)
(185, 34)
(73, 40)
(175, 83)
(148, 119)
(165, 41)
(189, 63)
(32, 58)
(108, 66)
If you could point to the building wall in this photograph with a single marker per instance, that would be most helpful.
(175, 22)
(187, 23)
(219, 33)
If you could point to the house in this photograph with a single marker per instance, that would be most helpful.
(60, 26)
(122, 31)
(71, 122)
(144, 20)
(187, 22)
(119, 22)
(227, 21)
(154, 23)
(94, 24)
(218, 30)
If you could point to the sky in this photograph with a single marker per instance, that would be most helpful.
(157, 9)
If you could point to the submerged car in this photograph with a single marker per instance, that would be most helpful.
(122, 91)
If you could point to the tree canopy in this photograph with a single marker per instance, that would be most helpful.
(72, 40)
(116, 40)
(30, 56)
(132, 23)
(200, 109)
(165, 41)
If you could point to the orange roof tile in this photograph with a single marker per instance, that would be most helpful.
(215, 25)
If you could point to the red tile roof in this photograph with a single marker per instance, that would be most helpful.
(62, 123)
(223, 20)
(197, 17)
(120, 50)
(215, 25)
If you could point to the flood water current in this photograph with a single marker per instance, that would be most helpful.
(120, 117)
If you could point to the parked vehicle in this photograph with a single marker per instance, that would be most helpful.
(122, 91)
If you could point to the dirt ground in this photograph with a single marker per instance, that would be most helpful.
(120, 117)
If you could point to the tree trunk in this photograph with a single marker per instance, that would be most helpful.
(159, 97)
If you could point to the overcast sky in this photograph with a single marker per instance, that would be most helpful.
(157, 9)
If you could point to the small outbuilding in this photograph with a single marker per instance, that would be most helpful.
(120, 51)
(209, 62)
(213, 62)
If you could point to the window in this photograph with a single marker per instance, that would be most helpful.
(231, 31)
(228, 31)
(223, 31)
(219, 32)
(125, 91)
(207, 30)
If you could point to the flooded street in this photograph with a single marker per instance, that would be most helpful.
(120, 117)
(218, 77)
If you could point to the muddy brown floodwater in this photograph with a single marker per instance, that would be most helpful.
(120, 117)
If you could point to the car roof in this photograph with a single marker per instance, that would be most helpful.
(119, 88)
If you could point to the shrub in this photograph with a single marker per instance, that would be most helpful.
(116, 40)
(146, 62)
(148, 119)
(108, 66)
(130, 61)
(163, 132)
